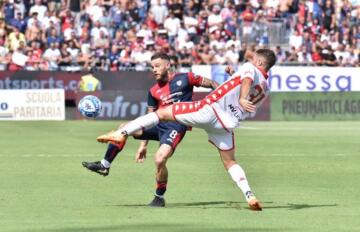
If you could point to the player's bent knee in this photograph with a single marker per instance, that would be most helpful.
(161, 159)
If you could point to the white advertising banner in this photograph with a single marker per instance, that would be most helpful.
(297, 79)
(32, 104)
(314, 79)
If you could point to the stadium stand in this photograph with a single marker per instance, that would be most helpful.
(71, 35)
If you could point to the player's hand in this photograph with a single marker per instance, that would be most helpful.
(140, 155)
(229, 70)
(247, 105)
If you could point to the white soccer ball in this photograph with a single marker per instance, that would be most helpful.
(90, 106)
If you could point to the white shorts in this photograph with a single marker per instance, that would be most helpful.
(201, 115)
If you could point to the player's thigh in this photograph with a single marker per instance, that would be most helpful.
(224, 142)
(189, 113)
(171, 133)
(221, 139)
(148, 134)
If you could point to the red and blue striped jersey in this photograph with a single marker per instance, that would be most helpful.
(179, 88)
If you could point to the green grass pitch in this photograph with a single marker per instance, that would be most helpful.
(307, 174)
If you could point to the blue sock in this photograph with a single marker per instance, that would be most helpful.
(111, 152)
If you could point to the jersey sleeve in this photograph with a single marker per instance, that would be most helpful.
(151, 101)
(247, 71)
(195, 80)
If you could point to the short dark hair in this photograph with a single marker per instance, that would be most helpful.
(160, 55)
(269, 56)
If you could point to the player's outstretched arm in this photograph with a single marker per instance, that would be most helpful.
(207, 83)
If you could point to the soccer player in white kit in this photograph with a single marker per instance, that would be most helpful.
(218, 114)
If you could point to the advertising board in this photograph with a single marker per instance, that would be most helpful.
(315, 106)
(30, 104)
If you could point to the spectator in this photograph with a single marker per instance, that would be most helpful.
(54, 5)
(52, 55)
(140, 59)
(95, 11)
(75, 7)
(215, 20)
(206, 56)
(232, 55)
(53, 37)
(49, 20)
(176, 7)
(4, 56)
(125, 58)
(329, 15)
(296, 40)
(172, 25)
(280, 54)
(329, 57)
(39, 8)
(15, 38)
(113, 58)
(309, 31)
(70, 31)
(304, 56)
(18, 22)
(96, 30)
(9, 11)
(191, 23)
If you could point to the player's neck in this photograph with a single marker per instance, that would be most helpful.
(263, 72)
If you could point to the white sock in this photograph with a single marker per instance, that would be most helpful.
(238, 175)
(105, 163)
(143, 122)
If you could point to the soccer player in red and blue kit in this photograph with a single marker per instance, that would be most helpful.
(170, 87)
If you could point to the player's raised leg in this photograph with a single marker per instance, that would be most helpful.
(238, 175)
(143, 122)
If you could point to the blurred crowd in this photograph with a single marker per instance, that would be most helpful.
(123, 34)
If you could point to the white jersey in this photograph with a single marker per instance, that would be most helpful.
(225, 99)
(220, 112)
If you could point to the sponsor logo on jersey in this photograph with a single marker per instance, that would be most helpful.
(171, 98)
(236, 111)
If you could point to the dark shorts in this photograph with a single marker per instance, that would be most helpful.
(170, 133)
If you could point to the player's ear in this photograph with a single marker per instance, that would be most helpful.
(168, 65)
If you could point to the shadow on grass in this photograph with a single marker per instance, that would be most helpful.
(200, 205)
(233, 205)
(163, 227)
(291, 206)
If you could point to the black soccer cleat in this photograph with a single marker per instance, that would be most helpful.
(96, 167)
(157, 202)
